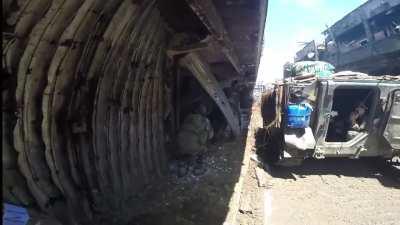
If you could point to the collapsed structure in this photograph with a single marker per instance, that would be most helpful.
(365, 40)
(95, 92)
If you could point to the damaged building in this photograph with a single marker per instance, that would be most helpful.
(95, 94)
(365, 40)
(339, 98)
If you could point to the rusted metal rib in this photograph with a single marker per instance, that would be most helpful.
(113, 74)
(95, 163)
(99, 114)
(137, 149)
(108, 102)
(139, 40)
(160, 131)
(156, 116)
(152, 64)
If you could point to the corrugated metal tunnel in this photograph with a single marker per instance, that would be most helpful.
(88, 93)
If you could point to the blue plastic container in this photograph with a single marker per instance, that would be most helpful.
(298, 115)
(14, 215)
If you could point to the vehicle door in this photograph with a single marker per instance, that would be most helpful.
(392, 129)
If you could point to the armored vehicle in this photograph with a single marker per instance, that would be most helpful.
(347, 114)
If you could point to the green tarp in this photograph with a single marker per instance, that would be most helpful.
(317, 68)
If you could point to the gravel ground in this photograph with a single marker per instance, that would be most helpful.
(334, 192)
(195, 200)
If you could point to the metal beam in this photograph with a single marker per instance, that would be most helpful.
(186, 49)
(202, 72)
(208, 14)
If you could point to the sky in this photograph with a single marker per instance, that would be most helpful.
(292, 21)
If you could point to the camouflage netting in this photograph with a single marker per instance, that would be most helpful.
(83, 120)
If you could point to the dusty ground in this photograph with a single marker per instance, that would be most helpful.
(332, 192)
(196, 200)
(200, 200)
(335, 191)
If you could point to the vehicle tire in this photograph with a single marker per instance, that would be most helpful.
(268, 107)
(271, 144)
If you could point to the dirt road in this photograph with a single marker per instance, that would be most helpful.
(334, 192)
(337, 191)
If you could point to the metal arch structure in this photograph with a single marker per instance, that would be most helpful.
(87, 94)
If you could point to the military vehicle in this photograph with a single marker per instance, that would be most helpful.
(346, 114)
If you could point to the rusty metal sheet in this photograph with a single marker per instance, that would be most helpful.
(160, 123)
(111, 37)
(145, 33)
(157, 112)
(106, 31)
(108, 163)
(142, 46)
(139, 60)
(128, 167)
(136, 40)
(140, 97)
